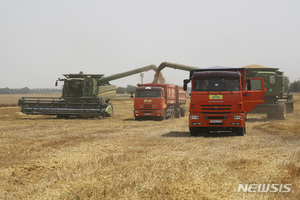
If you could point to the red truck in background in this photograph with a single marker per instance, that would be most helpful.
(159, 101)
(220, 99)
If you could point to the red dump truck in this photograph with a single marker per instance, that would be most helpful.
(159, 101)
(220, 99)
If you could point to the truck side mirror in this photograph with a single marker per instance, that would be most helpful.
(185, 87)
(131, 94)
(56, 82)
(185, 82)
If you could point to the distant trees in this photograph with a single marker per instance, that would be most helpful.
(128, 89)
(286, 83)
(291, 87)
(295, 86)
(121, 90)
(26, 90)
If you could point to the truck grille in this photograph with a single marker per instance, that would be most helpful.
(216, 107)
(146, 111)
(148, 106)
(215, 117)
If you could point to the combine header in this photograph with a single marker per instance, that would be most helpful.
(85, 95)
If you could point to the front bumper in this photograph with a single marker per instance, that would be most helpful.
(216, 120)
(149, 112)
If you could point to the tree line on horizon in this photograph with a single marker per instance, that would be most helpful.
(288, 87)
(26, 90)
(291, 87)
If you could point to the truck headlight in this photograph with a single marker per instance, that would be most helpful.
(159, 111)
(136, 111)
(194, 117)
(238, 117)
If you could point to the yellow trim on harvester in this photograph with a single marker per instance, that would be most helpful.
(107, 92)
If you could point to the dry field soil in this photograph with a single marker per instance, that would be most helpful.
(119, 158)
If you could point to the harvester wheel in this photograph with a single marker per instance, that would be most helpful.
(279, 111)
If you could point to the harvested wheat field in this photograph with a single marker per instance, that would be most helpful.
(119, 158)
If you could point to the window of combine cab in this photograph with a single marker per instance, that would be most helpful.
(147, 93)
(216, 84)
(74, 88)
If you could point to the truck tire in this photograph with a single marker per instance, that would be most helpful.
(240, 131)
(138, 118)
(198, 131)
(177, 113)
(172, 113)
(182, 112)
(194, 131)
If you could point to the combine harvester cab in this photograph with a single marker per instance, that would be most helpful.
(83, 95)
(220, 98)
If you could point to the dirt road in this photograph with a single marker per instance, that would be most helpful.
(120, 158)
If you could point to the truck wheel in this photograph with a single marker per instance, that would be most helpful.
(172, 113)
(182, 112)
(177, 113)
(138, 118)
(193, 131)
(240, 131)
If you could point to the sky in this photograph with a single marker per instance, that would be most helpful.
(42, 39)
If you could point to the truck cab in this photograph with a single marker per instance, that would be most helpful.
(220, 99)
(149, 102)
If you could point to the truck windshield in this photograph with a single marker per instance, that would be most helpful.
(147, 94)
(216, 84)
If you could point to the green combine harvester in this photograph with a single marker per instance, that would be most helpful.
(276, 102)
(83, 95)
